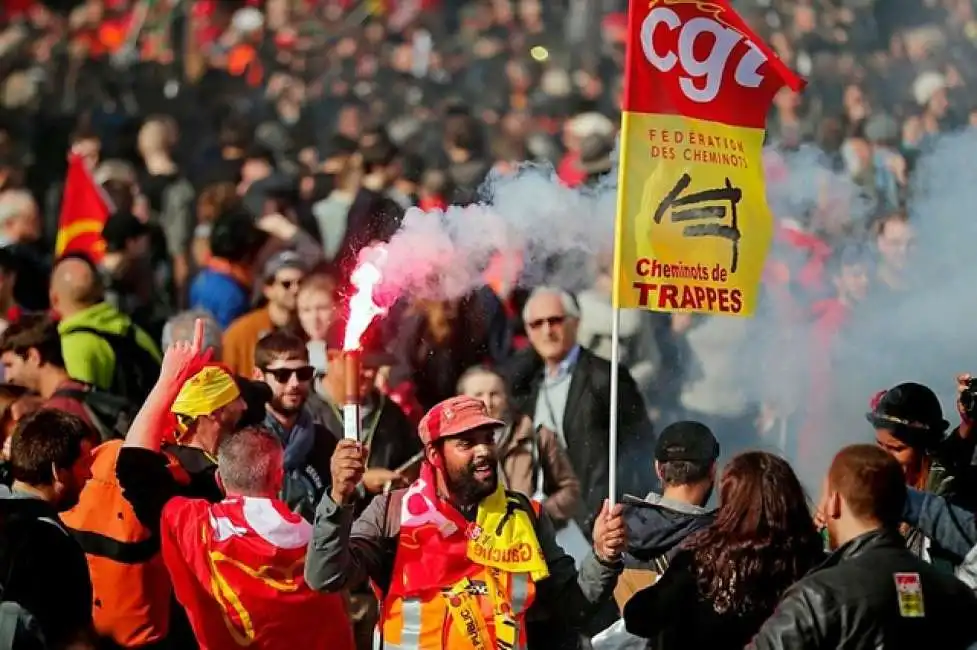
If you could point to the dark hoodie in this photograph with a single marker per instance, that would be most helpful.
(43, 569)
(656, 528)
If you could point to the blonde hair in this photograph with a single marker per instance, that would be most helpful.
(319, 282)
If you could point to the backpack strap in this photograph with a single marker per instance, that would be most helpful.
(531, 506)
(71, 393)
(81, 396)
(85, 329)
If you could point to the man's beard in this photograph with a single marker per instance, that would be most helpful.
(288, 410)
(466, 488)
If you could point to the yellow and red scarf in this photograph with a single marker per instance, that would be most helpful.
(439, 547)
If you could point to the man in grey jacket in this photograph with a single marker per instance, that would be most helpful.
(460, 452)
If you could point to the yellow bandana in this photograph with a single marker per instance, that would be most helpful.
(208, 390)
(503, 537)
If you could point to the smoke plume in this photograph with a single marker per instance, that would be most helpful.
(444, 254)
(564, 234)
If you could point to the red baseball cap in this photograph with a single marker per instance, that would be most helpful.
(453, 417)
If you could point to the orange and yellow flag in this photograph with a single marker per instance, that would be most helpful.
(84, 211)
(693, 226)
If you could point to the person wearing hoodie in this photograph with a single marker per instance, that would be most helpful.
(685, 462)
(223, 287)
(44, 569)
(93, 332)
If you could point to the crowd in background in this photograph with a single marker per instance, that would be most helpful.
(251, 150)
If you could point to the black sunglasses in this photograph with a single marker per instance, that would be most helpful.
(552, 321)
(288, 284)
(283, 375)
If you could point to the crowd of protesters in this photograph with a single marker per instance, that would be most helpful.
(175, 472)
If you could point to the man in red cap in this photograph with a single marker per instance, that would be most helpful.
(458, 561)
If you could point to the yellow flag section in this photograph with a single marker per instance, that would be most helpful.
(699, 227)
(693, 227)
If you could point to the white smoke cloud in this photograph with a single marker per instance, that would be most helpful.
(443, 254)
(926, 338)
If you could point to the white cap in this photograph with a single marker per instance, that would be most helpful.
(591, 124)
(926, 85)
(248, 20)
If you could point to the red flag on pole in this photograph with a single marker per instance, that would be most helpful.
(84, 211)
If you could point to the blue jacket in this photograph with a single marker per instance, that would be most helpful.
(221, 295)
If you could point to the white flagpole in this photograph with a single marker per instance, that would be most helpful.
(612, 430)
(620, 148)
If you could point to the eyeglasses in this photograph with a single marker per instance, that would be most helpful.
(552, 321)
(283, 375)
(288, 284)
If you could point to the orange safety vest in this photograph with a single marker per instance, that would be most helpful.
(461, 616)
(130, 586)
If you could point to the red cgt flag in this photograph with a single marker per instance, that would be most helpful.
(693, 225)
(84, 211)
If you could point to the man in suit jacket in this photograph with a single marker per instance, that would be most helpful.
(567, 389)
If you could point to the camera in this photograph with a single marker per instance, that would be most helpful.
(968, 399)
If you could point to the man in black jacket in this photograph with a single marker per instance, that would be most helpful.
(566, 388)
(42, 567)
(871, 592)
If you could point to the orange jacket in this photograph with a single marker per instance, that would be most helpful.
(130, 587)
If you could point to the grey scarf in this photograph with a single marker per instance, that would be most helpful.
(298, 442)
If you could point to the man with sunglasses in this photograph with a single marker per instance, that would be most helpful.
(281, 276)
(282, 362)
(566, 388)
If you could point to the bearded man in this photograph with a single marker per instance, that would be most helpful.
(459, 561)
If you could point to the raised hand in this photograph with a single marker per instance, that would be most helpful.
(183, 360)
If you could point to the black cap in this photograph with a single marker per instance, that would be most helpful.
(912, 412)
(256, 394)
(120, 228)
(259, 152)
(687, 441)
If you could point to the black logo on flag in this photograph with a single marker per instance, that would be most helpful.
(712, 205)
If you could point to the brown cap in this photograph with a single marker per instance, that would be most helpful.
(453, 417)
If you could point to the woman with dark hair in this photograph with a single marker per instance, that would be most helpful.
(726, 580)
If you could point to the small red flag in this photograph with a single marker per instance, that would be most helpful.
(84, 211)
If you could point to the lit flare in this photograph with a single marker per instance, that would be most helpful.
(362, 305)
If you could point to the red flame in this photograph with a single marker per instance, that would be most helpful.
(362, 306)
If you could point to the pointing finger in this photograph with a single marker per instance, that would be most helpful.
(198, 335)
